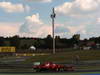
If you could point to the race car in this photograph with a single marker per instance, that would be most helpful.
(49, 66)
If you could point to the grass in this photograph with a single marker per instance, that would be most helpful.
(67, 56)
(93, 67)
(76, 73)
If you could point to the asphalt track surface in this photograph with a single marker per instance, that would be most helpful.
(15, 64)
(27, 68)
(76, 72)
(31, 71)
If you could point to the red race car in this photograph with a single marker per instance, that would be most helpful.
(49, 66)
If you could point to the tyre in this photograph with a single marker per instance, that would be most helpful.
(61, 69)
(36, 70)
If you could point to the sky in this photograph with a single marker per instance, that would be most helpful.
(31, 18)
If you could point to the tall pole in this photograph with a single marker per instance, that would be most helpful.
(53, 15)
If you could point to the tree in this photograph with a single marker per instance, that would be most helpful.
(48, 41)
(15, 41)
(76, 39)
(2, 41)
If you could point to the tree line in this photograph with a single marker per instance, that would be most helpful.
(46, 43)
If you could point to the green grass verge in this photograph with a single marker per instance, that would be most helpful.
(78, 73)
(92, 67)
(67, 56)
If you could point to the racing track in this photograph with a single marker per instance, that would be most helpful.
(17, 67)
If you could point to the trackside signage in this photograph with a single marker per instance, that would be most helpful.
(7, 49)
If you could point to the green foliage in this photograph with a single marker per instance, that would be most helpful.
(46, 43)
(2, 41)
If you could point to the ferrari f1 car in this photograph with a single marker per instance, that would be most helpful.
(49, 66)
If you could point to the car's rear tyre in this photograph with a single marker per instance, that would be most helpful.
(36, 70)
(61, 69)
